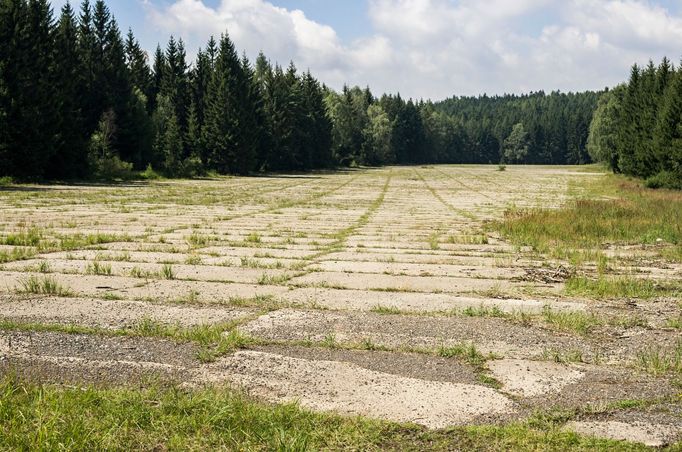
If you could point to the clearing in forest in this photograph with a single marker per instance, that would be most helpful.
(400, 294)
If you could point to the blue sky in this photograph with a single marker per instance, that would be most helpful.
(428, 48)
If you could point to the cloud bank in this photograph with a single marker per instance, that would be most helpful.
(438, 48)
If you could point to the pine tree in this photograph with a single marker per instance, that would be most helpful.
(630, 134)
(317, 124)
(174, 81)
(136, 60)
(70, 160)
(668, 134)
(228, 114)
(33, 116)
(120, 97)
(12, 23)
(90, 91)
(408, 135)
(158, 71)
(168, 142)
(262, 80)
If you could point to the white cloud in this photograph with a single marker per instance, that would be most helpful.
(436, 48)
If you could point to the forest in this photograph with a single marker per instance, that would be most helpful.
(637, 127)
(79, 100)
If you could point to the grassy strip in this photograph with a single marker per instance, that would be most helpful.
(461, 212)
(17, 254)
(620, 287)
(577, 322)
(214, 340)
(45, 418)
(220, 339)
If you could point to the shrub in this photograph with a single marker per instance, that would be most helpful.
(150, 174)
(665, 179)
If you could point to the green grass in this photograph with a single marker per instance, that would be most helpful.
(267, 279)
(385, 310)
(675, 323)
(468, 352)
(193, 259)
(433, 241)
(29, 237)
(167, 271)
(468, 239)
(197, 240)
(483, 311)
(214, 340)
(17, 254)
(672, 254)
(572, 321)
(563, 357)
(253, 237)
(46, 417)
(657, 361)
(77, 241)
(45, 285)
(97, 268)
(635, 215)
(44, 267)
(619, 287)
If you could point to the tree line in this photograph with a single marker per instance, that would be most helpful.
(80, 100)
(637, 127)
(536, 128)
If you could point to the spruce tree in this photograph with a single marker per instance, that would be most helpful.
(158, 71)
(668, 134)
(138, 68)
(174, 81)
(630, 136)
(317, 124)
(262, 80)
(33, 118)
(228, 114)
(168, 145)
(70, 160)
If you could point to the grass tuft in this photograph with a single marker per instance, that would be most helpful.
(657, 361)
(167, 271)
(97, 268)
(572, 321)
(45, 285)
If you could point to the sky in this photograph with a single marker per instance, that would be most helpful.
(430, 49)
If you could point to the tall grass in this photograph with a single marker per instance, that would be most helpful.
(636, 216)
